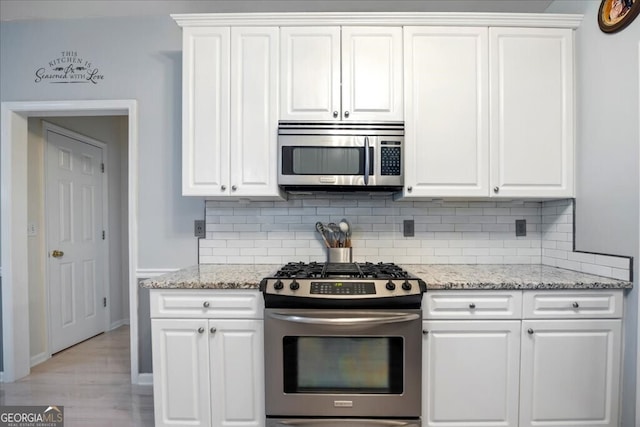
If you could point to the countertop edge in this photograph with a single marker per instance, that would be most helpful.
(239, 276)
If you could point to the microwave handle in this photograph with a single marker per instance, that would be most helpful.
(367, 160)
(344, 321)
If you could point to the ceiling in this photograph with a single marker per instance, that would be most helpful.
(11, 10)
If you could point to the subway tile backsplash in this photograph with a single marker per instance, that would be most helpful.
(446, 232)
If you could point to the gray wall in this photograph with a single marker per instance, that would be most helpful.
(140, 59)
(607, 147)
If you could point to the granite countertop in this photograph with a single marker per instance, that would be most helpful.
(503, 276)
(213, 276)
(437, 276)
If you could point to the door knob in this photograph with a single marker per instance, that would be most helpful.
(57, 254)
(346, 114)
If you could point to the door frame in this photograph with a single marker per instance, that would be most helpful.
(106, 284)
(13, 239)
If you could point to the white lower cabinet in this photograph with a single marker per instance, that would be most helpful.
(207, 371)
(470, 374)
(554, 362)
(570, 373)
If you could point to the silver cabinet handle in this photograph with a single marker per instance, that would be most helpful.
(530, 331)
(213, 330)
(496, 189)
(346, 114)
(409, 189)
(200, 330)
(223, 188)
(576, 305)
(425, 332)
(472, 306)
(234, 188)
(206, 304)
(335, 114)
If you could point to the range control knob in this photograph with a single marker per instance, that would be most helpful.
(278, 285)
(390, 285)
(294, 285)
(406, 285)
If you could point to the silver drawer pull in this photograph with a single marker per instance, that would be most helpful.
(472, 306)
(200, 330)
(576, 305)
(206, 304)
(425, 332)
(530, 331)
(213, 330)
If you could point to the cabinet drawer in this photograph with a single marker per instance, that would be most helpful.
(573, 304)
(224, 303)
(472, 305)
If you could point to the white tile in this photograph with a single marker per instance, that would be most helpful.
(274, 227)
(490, 260)
(569, 265)
(205, 252)
(529, 251)
(550, 244)
(520, 260)
(330, 211)
(447, 236)
(281, 252)
(475, 235)
(469, 211)
(211, 228)
(467, 227)
(379, 243)
(565, 246)
(582, 257)
(213, 260)
(278, 235)
(495, 227)
(463, 260)
(551, 262)
(456, 219)
(270, 260)
(240, 260)
(612, 261)
(357, 211)
(246, 227)
(564, 228)
(408, 259)
(599, 270)
(554, 253)
(496, 211)
(295, 243)
(441, 211)
(503, 251)
(289, 219)
(475, 251)
(253, 251)
(448, 251)
(435, 259)
(440, 227)
(521, 243)
(408, 243)
(375, 219)
(210, 243)
(240, 244)
(436, 243)
(488, 219)
(620, 274)
(427, 219)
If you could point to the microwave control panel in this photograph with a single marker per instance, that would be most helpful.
(390, 158)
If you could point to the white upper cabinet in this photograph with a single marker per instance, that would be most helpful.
(205, 110)
(230, 110)
(447, 122)
(254, 111)
(341, 73)
(532, 112)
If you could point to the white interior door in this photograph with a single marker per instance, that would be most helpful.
(75, 244)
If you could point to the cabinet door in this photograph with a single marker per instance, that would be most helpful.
(180, 372)
(447, 122)
(254, 111)
(532, 112)
(310, 73)
(205, 111)
(372, 73)
(237, 373)
(470, 373)
(570, 373)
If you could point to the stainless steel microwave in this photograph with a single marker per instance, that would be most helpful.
(340, 156)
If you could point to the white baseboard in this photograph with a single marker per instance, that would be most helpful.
(145, 379)
(39, 358)
(118, 323)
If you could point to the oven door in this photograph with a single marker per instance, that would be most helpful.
(343, 363)
(341, 160)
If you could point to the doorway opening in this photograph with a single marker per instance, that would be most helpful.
(14, 227)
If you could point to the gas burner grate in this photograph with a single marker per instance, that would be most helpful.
(326, 270)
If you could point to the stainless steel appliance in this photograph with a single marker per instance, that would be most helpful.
(340, 156)
(343, 345)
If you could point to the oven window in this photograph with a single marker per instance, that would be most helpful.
(370, 365)
(324, 160)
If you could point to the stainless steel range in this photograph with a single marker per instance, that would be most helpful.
(343, 345)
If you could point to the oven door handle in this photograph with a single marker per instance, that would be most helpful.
(356, 320)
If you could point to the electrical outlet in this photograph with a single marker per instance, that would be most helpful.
(521, 227)
(199, 228)
(409, 229)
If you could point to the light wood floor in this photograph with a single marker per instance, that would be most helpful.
(92, 381)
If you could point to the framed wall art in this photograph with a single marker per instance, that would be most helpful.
(614, 15)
